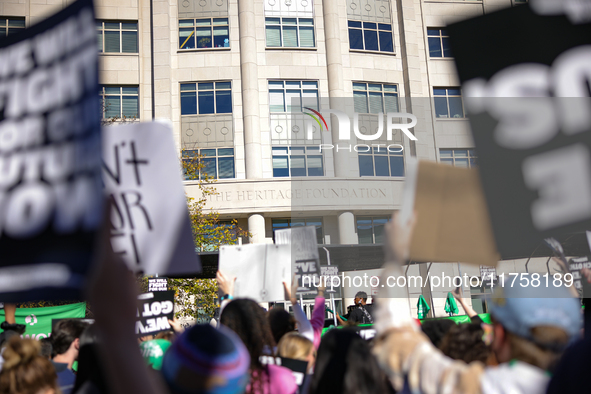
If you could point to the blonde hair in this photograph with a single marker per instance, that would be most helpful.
(294, 345)
(24, 370)
(532, 353)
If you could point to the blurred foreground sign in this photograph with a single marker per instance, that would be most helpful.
(525, 77)
(304, 256)
(50, 187)
(452, 222)
(150, 222)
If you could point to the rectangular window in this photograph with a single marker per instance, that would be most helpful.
(11, 25)
(216, 163)
(370, 36)
(117, 37)
(206, 98)
(381, 162)
(279, 224)
(373, 98)
(458, 157)
(370, 230)
(297, 161)
(120, 102)
(290, 32)
(288, 96)
(448, 103)
(204, 33)
(438, 43)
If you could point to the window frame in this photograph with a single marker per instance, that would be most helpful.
(382, 92)
(363, 34)
(215, 90)
(284, 89)
(193, 35)
(103, 96)
(120, 30)
(288, 156)
(471, 157)
(188, 155)
(282, 27)
(441, 36)
(381, 152)
(7, 27)
(373, 227)
(447, 97)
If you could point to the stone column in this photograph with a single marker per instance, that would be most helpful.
(250, 89)
(347, 234)
(256, 227)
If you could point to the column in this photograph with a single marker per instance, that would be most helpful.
(256, 227)
(250, 90)
(347, 233)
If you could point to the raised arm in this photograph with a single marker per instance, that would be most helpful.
(318, 316)
(467, 308)
(304, 326)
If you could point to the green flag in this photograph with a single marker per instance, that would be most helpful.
(450, 304)
(423, 307)
(38, 320)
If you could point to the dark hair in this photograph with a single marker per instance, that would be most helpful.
(249, 321)
(46, 348)
(281, 323)
(64, 333)
(464, 342)
(436, 329)
(90, 369)
(362, 295)
(346, 365)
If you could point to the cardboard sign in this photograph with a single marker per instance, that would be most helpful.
(524, 74)
(39, 321)
(50, 187)
(157, 284)
(151, 228)
(260, 270)
(304, 256)
(154, 311)
(452, 222)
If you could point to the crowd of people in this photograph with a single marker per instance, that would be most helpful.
(535, 344)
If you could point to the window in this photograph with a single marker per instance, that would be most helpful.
(458, 157)
(370, 230)
(217, 163)
(297, 161)
(204, 33)
(290, 32)
(373, 98)
(438, 43)
(117, 37)
(120, 102)
(11, 25)
(479, 296)
(279, 224)
(448, 103)
(379, 161)
(370, 36)
(288, 96)
(206, 98)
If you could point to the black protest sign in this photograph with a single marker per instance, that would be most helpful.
(158, 284)
(575, 266)
(154, 311)
(50, 187)
(525, 84)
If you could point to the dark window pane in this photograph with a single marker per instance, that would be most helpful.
(128, 26)
(454, 92)
(315, 167)
(130, 106)
(226, 167)
(273, 36)
(364, 234)
(112, 25)
(223, 85)
(208, 152)
(129, 42)
(298, 165)
(441, 107)
(434, 47)
(206, 103)
(112, 106)
(455, 107)
(446, 50)
(205, 86)
(129, 90)
(438, 92)
(99, 37)
(365, 165)
(208, 168)
(280, 168)
(432, 32)
(369, 25)
(112, 41)
(396, 166)
(187, 86)
(386, 41)
(355, 39)
(382, 166)
(188, 103)
(221, 38)
(16, 23)
(186, 38)
(371, 40)
(226, 152)
(223, 102)
(354, 24)
(384, 26)
(203, 37)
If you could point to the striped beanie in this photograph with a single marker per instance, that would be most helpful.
(205, 359)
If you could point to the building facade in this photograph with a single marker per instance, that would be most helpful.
(236, 76)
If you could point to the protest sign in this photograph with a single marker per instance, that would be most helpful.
(452, 219)
(329, 272)
(304, 256)
(260, 270)
(524, 75)
(575, 266)
(50, 187)
(154, 311)
(151, 227)
(38, 321)
(157, 284)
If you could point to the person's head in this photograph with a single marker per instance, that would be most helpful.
(281, 322)
(298, 347)
(65, 337)
(205, 359)
(436, 329)
(535, 329)
(464, 342)
(25, 370)
(346, 365)
(46, 348)
(361, 297)
(90, 367)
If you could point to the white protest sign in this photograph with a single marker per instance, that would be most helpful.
(151, 228)
(260, 270)
(304, 256)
